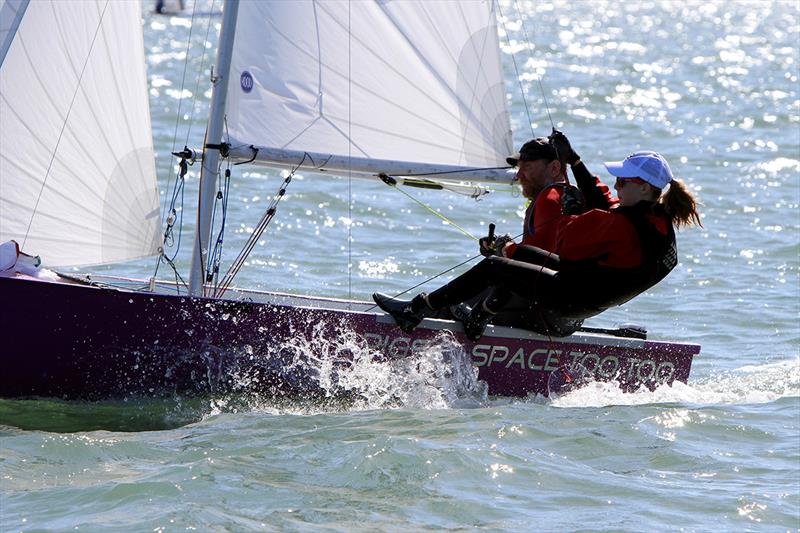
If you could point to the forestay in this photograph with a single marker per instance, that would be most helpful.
(77, 173)
(361, 84)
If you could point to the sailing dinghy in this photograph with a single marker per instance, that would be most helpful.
(354, 88)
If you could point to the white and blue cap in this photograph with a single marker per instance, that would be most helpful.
(647, 165)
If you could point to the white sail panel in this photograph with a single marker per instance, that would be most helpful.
(77, 173)
(378, 79)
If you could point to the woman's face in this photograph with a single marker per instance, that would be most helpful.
(631, 191)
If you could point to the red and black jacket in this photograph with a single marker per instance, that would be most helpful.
(611, 254)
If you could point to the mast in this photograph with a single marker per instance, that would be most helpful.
(208, 172)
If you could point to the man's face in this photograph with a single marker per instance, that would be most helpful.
(535, 175)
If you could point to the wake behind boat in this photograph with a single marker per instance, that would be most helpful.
(289, 98)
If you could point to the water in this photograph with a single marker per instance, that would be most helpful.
(711, 85)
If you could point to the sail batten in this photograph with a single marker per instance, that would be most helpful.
(377, 80)
(75, 136)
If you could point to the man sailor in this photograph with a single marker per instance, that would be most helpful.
(541, 171)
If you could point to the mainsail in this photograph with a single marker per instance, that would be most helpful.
(77, 173)
(367, 83)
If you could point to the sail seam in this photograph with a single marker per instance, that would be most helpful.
(110, 147)
(474, 120)
(479, 54)
(126, 119)
(64, 125)
(364, 88)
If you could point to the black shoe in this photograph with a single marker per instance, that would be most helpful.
(403, 311)
(473, 320)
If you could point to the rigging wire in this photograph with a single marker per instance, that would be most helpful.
(516, 71)
(215, 257)
(181, 175)
(183, 80)
(272, 208)
(442, 273)
(200, 71)
(349, 160)
(530, 56)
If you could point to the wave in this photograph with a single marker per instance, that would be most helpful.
(437, 375)
(751, 384)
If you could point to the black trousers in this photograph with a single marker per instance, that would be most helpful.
(533, 275)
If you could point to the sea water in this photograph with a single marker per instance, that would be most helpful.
(711, 85)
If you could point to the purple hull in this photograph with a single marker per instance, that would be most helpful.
(81, 342)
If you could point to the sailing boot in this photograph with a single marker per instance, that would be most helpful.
(474, 319)
(407, 314)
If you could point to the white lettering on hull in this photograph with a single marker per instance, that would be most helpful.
(604, 368)
(626, 369)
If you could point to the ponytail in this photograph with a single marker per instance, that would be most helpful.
(680, 205)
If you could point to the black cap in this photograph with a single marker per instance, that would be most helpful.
(539, 148)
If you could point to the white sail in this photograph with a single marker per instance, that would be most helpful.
(413, 81)
(77, 173)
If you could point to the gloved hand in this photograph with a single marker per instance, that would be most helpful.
(501, 242)
(572, 202)
(486, 246)
(563, 147)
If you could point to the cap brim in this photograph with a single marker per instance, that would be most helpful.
(513, 160)
(620, 169)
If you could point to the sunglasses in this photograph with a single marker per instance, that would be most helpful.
(622, 181)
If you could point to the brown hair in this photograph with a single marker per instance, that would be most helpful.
(680, 205)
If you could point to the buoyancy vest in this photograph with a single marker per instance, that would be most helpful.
(659, 251)
(529, 229)
(595, 288)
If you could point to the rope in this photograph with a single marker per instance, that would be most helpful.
(178, 189)
(420, 284)
(389, 180)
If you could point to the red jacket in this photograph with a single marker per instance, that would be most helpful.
(542, 219)
(601, 235)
